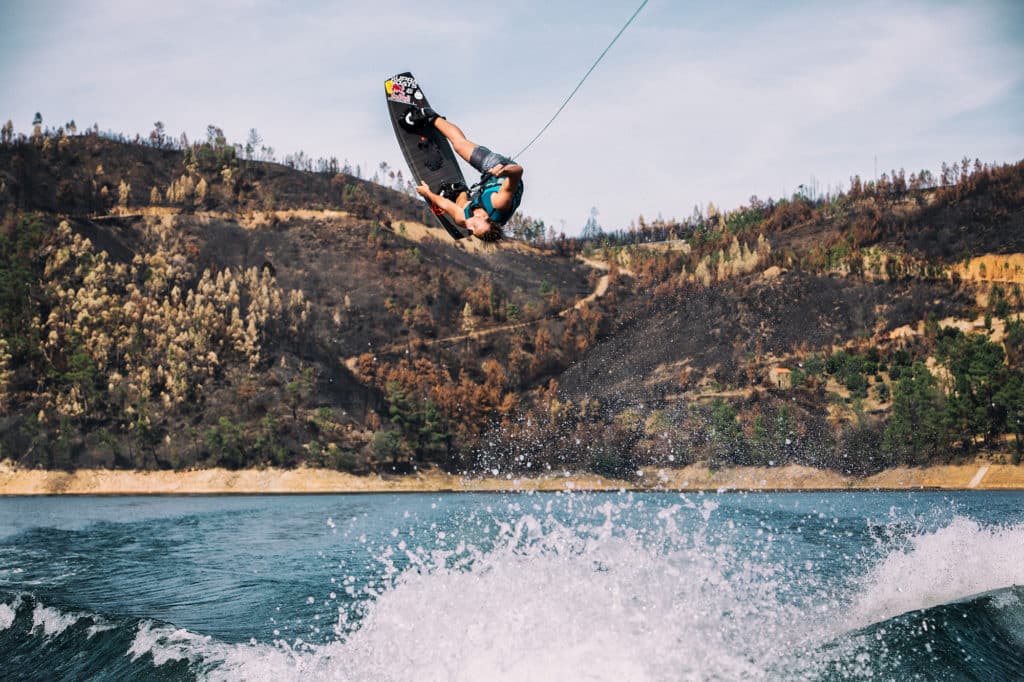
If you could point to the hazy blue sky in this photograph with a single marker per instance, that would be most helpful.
(696, 102)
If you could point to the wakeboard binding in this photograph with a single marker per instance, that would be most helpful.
(452, 190)
(418, 118)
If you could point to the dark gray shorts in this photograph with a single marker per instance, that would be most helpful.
(483, 159)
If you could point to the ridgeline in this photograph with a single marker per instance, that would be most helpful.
(175, 305)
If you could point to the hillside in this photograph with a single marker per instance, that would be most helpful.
(107, 352)
(865, 330)
(168, 307)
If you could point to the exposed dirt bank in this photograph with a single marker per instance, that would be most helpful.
(18, 481)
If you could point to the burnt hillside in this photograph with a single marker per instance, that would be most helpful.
(721, 333)
(884, 319)
(84, 174)
(221, 323)
(167, 308)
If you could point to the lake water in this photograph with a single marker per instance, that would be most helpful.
(580, 586)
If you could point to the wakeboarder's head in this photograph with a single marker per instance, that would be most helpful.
(482, 228)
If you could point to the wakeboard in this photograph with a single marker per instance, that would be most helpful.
(427, 152)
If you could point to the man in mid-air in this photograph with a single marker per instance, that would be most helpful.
(498, 194)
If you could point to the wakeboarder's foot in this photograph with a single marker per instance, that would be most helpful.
(452, 190)
(416, 118)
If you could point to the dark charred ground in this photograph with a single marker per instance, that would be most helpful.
(716, 330)
(69, 178)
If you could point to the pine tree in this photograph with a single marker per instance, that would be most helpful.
(916, 432)
(978, 369)
(157, 137)
(252, 143)
(592, 229)
(727, 443)
(1011, 399)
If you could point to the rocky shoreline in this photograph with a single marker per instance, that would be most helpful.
(978, 475)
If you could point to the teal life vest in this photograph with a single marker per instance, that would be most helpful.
(483, 195)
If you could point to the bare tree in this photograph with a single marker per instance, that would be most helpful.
(156, 136)
(252, 143)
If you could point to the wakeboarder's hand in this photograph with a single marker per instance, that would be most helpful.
(424, 190)
(497, 170)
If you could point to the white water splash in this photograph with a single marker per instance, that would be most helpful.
(214, 660)
(957, 561)
(6, 616)
(551, 602)
(167, 643)
(52, 621)
(99, 625)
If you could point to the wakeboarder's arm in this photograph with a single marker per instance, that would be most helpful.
(514, 173)
(449, 206)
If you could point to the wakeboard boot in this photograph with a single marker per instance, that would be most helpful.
(452, 190)
(418, 118)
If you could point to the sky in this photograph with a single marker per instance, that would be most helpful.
(698, 101)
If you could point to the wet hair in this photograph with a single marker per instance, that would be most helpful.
(492, 235)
